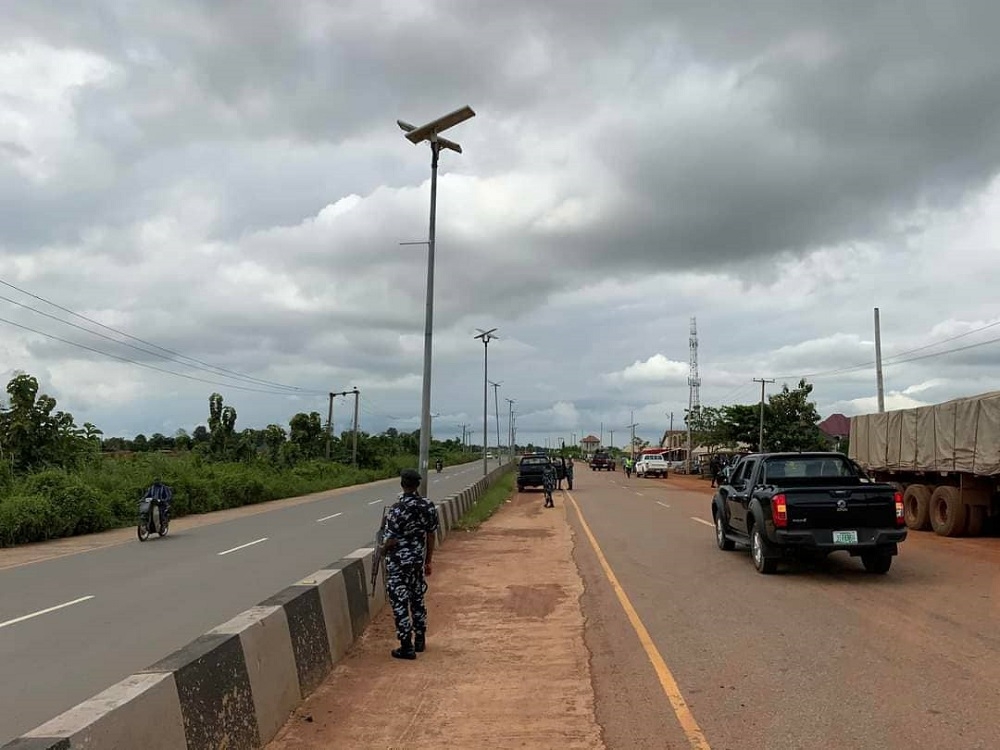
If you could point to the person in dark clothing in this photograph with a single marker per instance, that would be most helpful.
(410, 525)
(163, 495)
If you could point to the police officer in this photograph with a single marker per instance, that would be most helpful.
(410, 525)
(569, 472)
(549, 483)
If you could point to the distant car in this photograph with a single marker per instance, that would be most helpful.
(652, 464)
(489, 455)
(602, 461)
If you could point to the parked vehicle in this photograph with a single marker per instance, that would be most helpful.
(602, 461)
(530, 469)
(813, 503)
(652, 465)
(151, 521)
(944, 458)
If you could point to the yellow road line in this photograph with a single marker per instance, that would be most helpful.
(687, 721)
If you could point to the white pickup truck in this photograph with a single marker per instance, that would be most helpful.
(653, 464)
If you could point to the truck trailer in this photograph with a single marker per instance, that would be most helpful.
(944, 458)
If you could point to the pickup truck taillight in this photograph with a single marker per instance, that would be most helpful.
(900, 515)
(779, 511)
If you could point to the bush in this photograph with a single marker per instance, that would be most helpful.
(24, 518)
(103, 494)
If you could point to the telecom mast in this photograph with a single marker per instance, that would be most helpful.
(694, 380)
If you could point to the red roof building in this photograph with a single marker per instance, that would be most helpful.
(836, 426)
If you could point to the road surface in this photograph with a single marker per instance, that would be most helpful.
(74, 625)
(820, 655)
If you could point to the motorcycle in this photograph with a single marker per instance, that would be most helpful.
(438, 466)
(151, 519)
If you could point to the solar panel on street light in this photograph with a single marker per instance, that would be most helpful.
(450, 120)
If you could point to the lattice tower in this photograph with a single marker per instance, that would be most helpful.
(694, 380)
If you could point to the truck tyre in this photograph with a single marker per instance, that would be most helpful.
(948, 513)
(877, 562)
(977, 519)
(917, 507)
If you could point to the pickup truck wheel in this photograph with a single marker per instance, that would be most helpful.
(877, 562)
(948, 513)
(758, 553)
(720, 534)
(917, 507)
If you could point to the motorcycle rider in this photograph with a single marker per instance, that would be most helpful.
(438, 465)
(163, 495)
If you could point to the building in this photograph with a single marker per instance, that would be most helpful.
(590, 444)
(837, 428)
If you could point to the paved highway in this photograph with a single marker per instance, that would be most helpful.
(820, 655)
(74, 625)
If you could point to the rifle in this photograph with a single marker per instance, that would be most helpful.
(378, 559)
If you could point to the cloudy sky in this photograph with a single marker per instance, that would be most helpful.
(226, 182)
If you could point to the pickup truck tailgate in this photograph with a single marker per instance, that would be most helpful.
(840, 508)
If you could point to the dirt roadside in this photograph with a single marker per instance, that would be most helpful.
(506, 665)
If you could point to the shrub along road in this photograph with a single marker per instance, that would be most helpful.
(75, 624)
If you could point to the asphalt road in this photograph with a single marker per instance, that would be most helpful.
(149, 599)
(817, 656)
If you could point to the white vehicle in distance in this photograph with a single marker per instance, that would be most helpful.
(652, 464)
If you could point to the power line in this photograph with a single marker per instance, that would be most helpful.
(143, 364)
(896, 357)
(220, 370)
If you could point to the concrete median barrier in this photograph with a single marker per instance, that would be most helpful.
(235, 686)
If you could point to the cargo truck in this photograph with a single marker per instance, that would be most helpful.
(944, 458)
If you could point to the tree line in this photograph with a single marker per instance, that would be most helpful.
(791, 423)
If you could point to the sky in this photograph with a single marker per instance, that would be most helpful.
(226, 184)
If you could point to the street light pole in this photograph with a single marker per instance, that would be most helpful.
(496, 412)
(430, 132)
(485, 337)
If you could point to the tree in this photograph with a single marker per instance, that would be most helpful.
(791, 422)
(307, 434)
(32, 433)
(221, 424)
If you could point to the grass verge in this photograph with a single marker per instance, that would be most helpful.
(488, 504)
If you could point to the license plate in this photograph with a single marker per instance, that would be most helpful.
(845, 537)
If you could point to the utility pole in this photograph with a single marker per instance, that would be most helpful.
(602, 435)
(510, 427)
(485, 337)
(463, 436)
(878, 364)
(612, 440)
(631, 448)
(496, 411)
(329, 428)
(763, 382)
(329, 432)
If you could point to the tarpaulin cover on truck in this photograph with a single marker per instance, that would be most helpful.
(960, 435)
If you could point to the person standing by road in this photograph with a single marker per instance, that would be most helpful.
(410, 525)
(569, 473)
(549, 484)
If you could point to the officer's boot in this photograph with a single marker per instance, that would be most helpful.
(419, 642)
(405, 650)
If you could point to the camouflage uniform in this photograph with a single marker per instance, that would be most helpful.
(569, 474)
(549, 484)
(408, 522)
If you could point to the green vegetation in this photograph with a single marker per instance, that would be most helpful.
(489, 503)
(791, 423)
(57, 479)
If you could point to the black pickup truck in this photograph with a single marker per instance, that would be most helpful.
(529, 471)
(813, 503)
